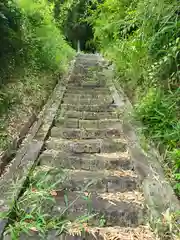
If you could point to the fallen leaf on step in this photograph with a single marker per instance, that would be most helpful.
(34, 229)
(53, 193)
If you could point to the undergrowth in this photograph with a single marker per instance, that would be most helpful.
(142, 38)
(25, 94)
(33, 211)
(32, 52)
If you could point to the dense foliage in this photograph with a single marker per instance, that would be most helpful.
(30, 34)
(142, 38)
(71, 16)
(30, 43)
(10, 39)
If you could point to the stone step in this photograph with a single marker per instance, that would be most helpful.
(83, 63)
(141, 232)
(92, 162)
(77, 96)
(100, 124)
(87, 74)
(85, 83)
(119, 212)
(88, 133)
(89, 108)
(91, 75)
(90, 115)
(101, 181)
(84, 90)
(84, 68)
(88, 57)
(85, 124)
(88, 71)
(94, 64)
(67, 123)
(88, 64)
(86, 79)
(105, 181)
(88, 167)
(89, 101)
(87, 146)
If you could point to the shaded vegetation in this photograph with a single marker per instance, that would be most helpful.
(31, 43)
(142, 38)
(71, 16)
(31, 212)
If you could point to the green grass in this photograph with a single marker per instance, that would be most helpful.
(31, 209)
(142, 38)
(159, 111)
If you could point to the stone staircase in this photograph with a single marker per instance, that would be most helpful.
(99, 179)
(87, 140)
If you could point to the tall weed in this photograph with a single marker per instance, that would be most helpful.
(142, 37)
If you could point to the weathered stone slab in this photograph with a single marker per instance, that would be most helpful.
(70, 99)
(90, 108)
(101, 133)
(87, 146)
(80, 80)
(67, 123)
(104, 123)
(66, 133)
(101, 181)
(116, 145)
(88, 133)
(90, 115)
(114, 212)
(84, 96)
(99, 115)
(92, 162)
(98, 233)
(72, 114)
(83, 90)
(80, 146)
(84, 101)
